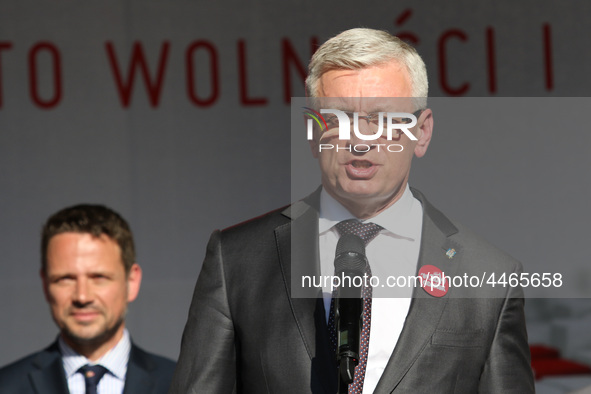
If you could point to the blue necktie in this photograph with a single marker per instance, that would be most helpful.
(92, 375)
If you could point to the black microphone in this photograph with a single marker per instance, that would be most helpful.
(350, 266)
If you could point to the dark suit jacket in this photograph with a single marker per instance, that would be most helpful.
(246, 333)
(43, 373)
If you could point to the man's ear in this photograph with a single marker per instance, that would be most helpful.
(424, 132)
(134, 281)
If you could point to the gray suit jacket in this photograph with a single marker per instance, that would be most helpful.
(246, 333)
(43, 373)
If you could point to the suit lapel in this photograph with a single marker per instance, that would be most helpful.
(49, 377)
(298, 251)
(425, 310)
(138, 379)
(297, 244)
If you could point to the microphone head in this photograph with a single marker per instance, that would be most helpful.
(350, 255)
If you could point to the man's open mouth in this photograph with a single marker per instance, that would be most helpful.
(361, 164)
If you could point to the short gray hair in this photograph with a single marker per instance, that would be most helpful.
(360, 48)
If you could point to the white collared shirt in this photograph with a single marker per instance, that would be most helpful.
(394, 252)
(115, 360)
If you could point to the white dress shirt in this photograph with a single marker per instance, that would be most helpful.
(115, 360)
(394, 252)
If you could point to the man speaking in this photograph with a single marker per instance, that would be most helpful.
(249, 332)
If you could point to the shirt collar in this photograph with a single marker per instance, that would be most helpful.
(115, 360)
(394, 219)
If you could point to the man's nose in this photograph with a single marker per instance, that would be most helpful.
(83, 292)
(362, 126)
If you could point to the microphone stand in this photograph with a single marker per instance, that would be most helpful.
(346, 373)
(350, 261)
(348, 340)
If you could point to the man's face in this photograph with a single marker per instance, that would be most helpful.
(87, 288)
(368, 182)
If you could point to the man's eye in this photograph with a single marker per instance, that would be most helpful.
(63, 279)
(399, 120)
(332, 121)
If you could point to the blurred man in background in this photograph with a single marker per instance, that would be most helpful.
(89, 276)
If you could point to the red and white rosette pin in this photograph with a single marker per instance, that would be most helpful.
(434, 281)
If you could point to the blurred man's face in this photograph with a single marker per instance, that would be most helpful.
(368, 182)
(87, 289)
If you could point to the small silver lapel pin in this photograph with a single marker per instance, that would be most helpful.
(451, 252)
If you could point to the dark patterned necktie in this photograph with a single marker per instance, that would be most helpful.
(92, 375)
(367, 232)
